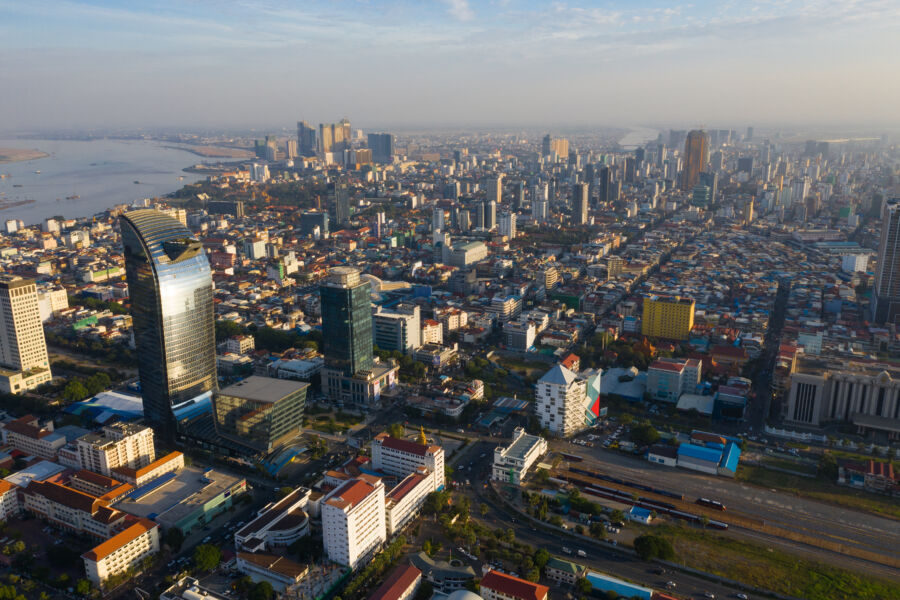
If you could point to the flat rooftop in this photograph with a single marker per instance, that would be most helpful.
(816, 365)
(187, 492)
(519, 448)
(263, 389)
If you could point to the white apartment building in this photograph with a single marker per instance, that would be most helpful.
(117, 445)
(122, 551)
(24, 364)
(466, 254)
(67, 508)
(51, 301)
(508, 224)
(668, 378)
(506, 308)
(353, 521)
(402, 457)
(566, 403)
(240, 344)
(512, 462)
(398, 329)
(9, 500)
(403, 502)
(432, 332)
(29, 436)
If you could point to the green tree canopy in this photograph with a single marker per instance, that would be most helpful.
(649, 546)
(207, 557)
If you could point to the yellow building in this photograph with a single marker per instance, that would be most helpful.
(668, 317)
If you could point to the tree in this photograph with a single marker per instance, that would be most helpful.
(644, 434)
(397, 431)
(207, 557)
(533, 575)
(83, 587)
(583, 586)
(174, 538)
(75, 391)
(285, 491)
(483, 509)
(261, 591)
(617, 516)
(598, 531)
(649, 546)
(541, 557)
(828, 469)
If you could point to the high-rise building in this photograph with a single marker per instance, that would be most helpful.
(508, 224)
(566, 403)
(171, 290)
(490, 214)
(346, 321)
(540, 211)
(696, 157)
(560, 146)
(886, 296)
(402, 457)
(353, 521)
(580, 203)
(495, 189)
(311, 220)
(437, 219)
(519, 197)
(306, 139)
(23, 348)
(399, 329)
(382, 147)
(545, 145)
(118, 445)
(668, 317)
(290, 149)
(711, 180)
(340, 196)
(603, 185)
(334, 137)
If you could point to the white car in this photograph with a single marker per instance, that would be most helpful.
(566, 550)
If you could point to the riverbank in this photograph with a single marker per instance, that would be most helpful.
(215, 152)
(13, 155)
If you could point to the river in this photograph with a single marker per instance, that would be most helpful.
(101, 172)
(638, 136)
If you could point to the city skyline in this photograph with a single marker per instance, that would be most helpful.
(168, 64)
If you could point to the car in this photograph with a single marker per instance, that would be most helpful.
(709, 595)
(742, 596)
(566, 550)
(582, 554)
(671, 585)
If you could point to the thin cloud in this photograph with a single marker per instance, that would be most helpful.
(460, 10)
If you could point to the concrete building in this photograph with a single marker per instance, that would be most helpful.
(886, 295)
(668, 378)
(403, 502)
(121, 552)
(240, 344)
(566, 403)
(170, 463)
(24, 364)
(281, 572)
(401, 584)
(507, 224)
(399, 329)
(463, 255)
(826, 390)
(28, 435)
(500, 586)
(432, 332)
(512, 462)
(403, 457)
(116, 445)
(71, 510)
(278, 525)
(353, 521)
(668, 317)
(563, 571)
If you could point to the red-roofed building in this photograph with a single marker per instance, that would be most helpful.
(401, 584)
(499, 586)
(403, 502)
(572, 362)
(353, 521)
(402, 457)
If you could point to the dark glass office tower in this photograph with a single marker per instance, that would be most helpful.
(171, 291)
(346, 321)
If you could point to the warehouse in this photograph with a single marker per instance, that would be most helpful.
(699, 458)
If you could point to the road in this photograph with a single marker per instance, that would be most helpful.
(600, 557)
(849, 527)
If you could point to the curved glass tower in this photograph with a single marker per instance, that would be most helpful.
(170, 285)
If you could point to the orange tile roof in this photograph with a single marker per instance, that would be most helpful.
(144, 470)
(351, 493)
(515, 587)
(122, 538)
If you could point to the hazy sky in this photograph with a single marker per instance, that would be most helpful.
(267, 63)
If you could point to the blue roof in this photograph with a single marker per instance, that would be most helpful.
(637, 511)
(606, 583)
(700, 452)
(731, 457)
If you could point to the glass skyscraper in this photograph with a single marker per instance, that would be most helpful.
(346, 321)
(170, 285)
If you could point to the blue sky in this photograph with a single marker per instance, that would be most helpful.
(267, 63)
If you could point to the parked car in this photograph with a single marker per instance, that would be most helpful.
(566, 550)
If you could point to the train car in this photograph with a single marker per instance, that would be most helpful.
(572, 458)
(710, 503)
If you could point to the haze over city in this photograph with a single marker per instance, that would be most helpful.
(455, 63)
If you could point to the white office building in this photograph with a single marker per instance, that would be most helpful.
(353, 521)
(398, 329)
(565, 402)
(403, 457)
(512, 462)
(24, 364)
